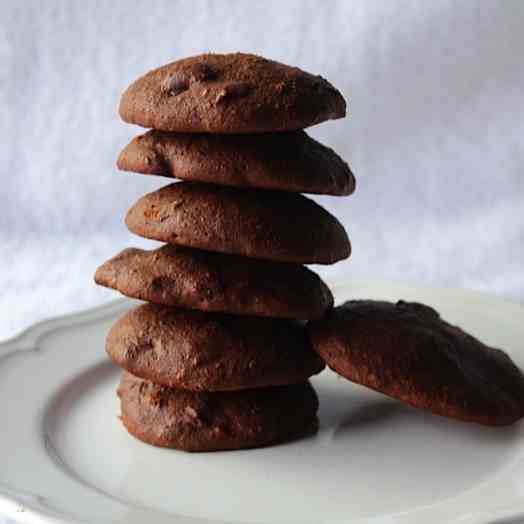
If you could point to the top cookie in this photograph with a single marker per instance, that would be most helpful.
(230, 93)
(407, 351)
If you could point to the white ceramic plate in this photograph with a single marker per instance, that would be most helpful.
(64, 456)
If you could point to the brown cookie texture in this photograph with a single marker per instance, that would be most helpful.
(230, 93)
(291, 161)
(195, 279)
(192, 421)
(407, 351)
(271, 225)
(201, 351)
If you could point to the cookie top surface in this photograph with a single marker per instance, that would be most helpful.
(190, 278)
(211, 351)
(407, 351)
(193, 421)
(291, 161)
(230, 93)
(270, 225)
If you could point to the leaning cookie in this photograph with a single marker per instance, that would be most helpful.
(291, 161)
(230, 93)
(211, 352)
(407, 351)
(192, 421)
(195, 279)
(272, 225)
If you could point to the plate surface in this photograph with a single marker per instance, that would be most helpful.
(66, 458)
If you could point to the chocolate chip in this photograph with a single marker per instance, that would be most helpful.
(233, 90)
(175, 83)
(202, 72)
(180, 81)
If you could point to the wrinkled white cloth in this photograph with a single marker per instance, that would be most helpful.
(434, 136)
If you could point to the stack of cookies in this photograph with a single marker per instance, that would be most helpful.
(218, 357)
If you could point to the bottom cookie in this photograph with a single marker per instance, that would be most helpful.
(193, 421)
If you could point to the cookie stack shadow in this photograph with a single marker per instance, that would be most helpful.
(218, 357)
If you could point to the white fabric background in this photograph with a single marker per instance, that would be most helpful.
(435, 135)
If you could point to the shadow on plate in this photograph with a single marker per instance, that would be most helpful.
(345, 411)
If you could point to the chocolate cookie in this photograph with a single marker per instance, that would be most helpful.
(190, 278)
(232, 93)
(408, 352)
(192, 421)
(282, 161)
(259, 224)
(211, 351)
